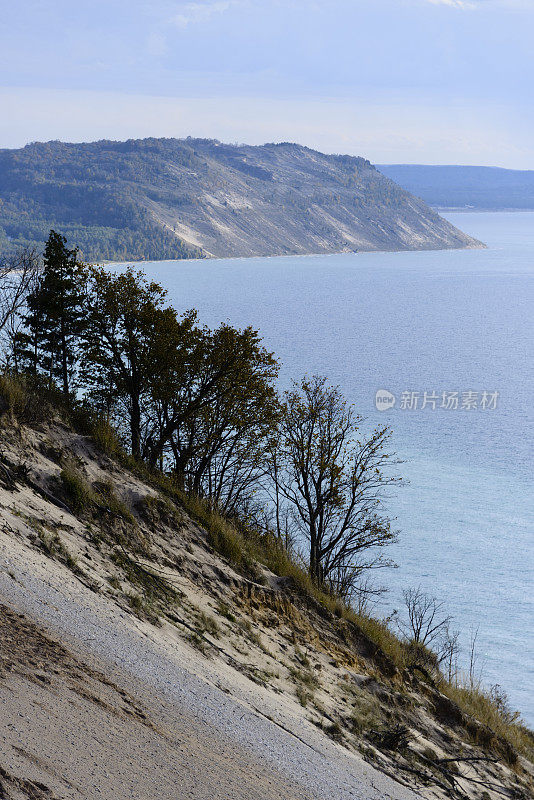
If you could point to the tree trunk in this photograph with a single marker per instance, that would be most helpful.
(64, 360)
(314, 561)
(135, 426)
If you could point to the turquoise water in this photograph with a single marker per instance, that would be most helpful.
(448, 321)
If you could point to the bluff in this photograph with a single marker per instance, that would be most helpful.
(171, 198)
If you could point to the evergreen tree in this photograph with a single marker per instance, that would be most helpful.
(55, 315)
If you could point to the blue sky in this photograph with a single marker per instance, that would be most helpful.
(412, 81)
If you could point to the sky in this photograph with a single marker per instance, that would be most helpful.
(396, 81)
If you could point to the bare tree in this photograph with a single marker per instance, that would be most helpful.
(333, 482)
(502, 701)
(448, 651)
(363, 595)
(18, 274)
(424, 624)
(476, 670)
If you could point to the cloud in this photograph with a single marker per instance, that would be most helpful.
(463, 4)
(196, 12)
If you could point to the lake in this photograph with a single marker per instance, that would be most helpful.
(459, 322)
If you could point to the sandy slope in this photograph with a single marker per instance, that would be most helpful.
(177, 733)
(75, 734)
(179, 677)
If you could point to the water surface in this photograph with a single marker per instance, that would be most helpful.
(447, 321)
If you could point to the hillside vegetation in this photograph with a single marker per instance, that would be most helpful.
(238, 602)
(171, 199)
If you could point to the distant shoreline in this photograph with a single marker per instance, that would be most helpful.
(477, 210)
(479, 246)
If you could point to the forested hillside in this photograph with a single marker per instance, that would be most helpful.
(169, 198)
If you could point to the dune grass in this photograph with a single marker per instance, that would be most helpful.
(488, 709)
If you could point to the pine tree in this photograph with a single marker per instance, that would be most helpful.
(55, 316)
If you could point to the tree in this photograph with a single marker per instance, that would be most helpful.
(425, 623)
(220, 450)
(18, 274)
(448, 652)
(189, 393)
(333, 481)
(56, 315)
(130, 344)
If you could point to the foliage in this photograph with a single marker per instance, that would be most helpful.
(220, 450)
(128, 337)
(202, 401)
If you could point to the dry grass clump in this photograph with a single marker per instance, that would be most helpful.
(82, 497)
(225, 611)
(303, 696)
(155, 591)
(105, 437)
(306, 684)
(492, 710)
(207, 624)
(76, 489)
(366, 711)
(55, 548)
(28, 399)
(304, 677)
(198, 643)
(105, 496)
(156, 509)
(13, 396)
(380, 633)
